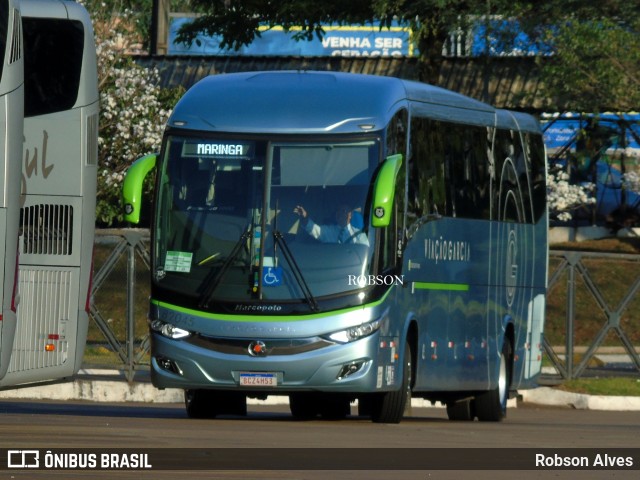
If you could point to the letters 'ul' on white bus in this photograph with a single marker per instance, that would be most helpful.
(258, 178)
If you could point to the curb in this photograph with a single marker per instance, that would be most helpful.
(579, 401)
(117, 390)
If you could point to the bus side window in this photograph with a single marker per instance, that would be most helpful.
(427, 192)
(469, 185)
(535, 153)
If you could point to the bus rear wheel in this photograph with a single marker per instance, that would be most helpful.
(491, 406)
(211, 403)
(389, 407)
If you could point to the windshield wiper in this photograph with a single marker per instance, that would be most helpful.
(295, 268)
(207, 295)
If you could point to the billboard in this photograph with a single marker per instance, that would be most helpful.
(338, 40)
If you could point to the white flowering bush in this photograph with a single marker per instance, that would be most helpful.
(564, 198)
(132, 112)
(631, 182)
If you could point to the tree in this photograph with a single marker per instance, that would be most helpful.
(595, 51)
(431, 21)
(595, 68)
(552, 21)
(133, 109)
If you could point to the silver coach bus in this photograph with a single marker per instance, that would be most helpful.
(335, 237)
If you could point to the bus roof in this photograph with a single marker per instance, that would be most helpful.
(305, 102)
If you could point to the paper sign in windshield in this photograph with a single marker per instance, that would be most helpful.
(178, 262)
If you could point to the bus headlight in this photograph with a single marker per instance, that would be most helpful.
(168, 330)
(356, 333)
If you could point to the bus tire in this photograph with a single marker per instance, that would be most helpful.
(389, 407)
(461, 411)
(491, 406)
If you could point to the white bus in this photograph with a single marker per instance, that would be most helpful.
(57, 206)
(11, 106)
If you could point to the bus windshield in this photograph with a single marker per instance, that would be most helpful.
(250, 220)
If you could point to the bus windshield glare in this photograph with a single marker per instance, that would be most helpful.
(245, 219)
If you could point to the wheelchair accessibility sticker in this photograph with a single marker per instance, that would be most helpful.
(271, 276)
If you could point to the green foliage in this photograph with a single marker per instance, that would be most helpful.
(596, 67)
(238, 22)
(596, 42)
(133, 109)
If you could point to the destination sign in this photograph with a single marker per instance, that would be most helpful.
(216, 149)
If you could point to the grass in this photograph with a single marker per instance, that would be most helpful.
(620, 386)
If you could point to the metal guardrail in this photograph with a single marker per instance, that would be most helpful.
(129, 243)
(573, 264)
(132, 350)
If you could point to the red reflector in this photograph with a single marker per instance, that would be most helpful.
(53, 336)
(49, 347)
(0, 317)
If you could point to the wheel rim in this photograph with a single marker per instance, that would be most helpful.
(502, 381)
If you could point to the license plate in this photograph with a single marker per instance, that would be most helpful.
(255, 379)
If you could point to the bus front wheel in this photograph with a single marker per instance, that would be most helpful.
(389, 407)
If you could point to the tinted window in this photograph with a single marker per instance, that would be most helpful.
(427, 169)
(4, 25)
(52, 64)
(535, 152)
(448, 170)
(469, 180)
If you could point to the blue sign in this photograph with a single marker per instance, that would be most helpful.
(505, 38)
(563, 131)
(344, 41)
(271, 276)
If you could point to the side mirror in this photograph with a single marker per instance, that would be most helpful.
(132, 187)
(384, 191)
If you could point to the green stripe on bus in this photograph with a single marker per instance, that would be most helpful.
(456, 287)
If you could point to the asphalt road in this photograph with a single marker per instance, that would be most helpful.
(75, 427)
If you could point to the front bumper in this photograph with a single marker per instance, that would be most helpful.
(352, 367)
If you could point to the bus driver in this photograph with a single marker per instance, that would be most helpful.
(340, 232)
